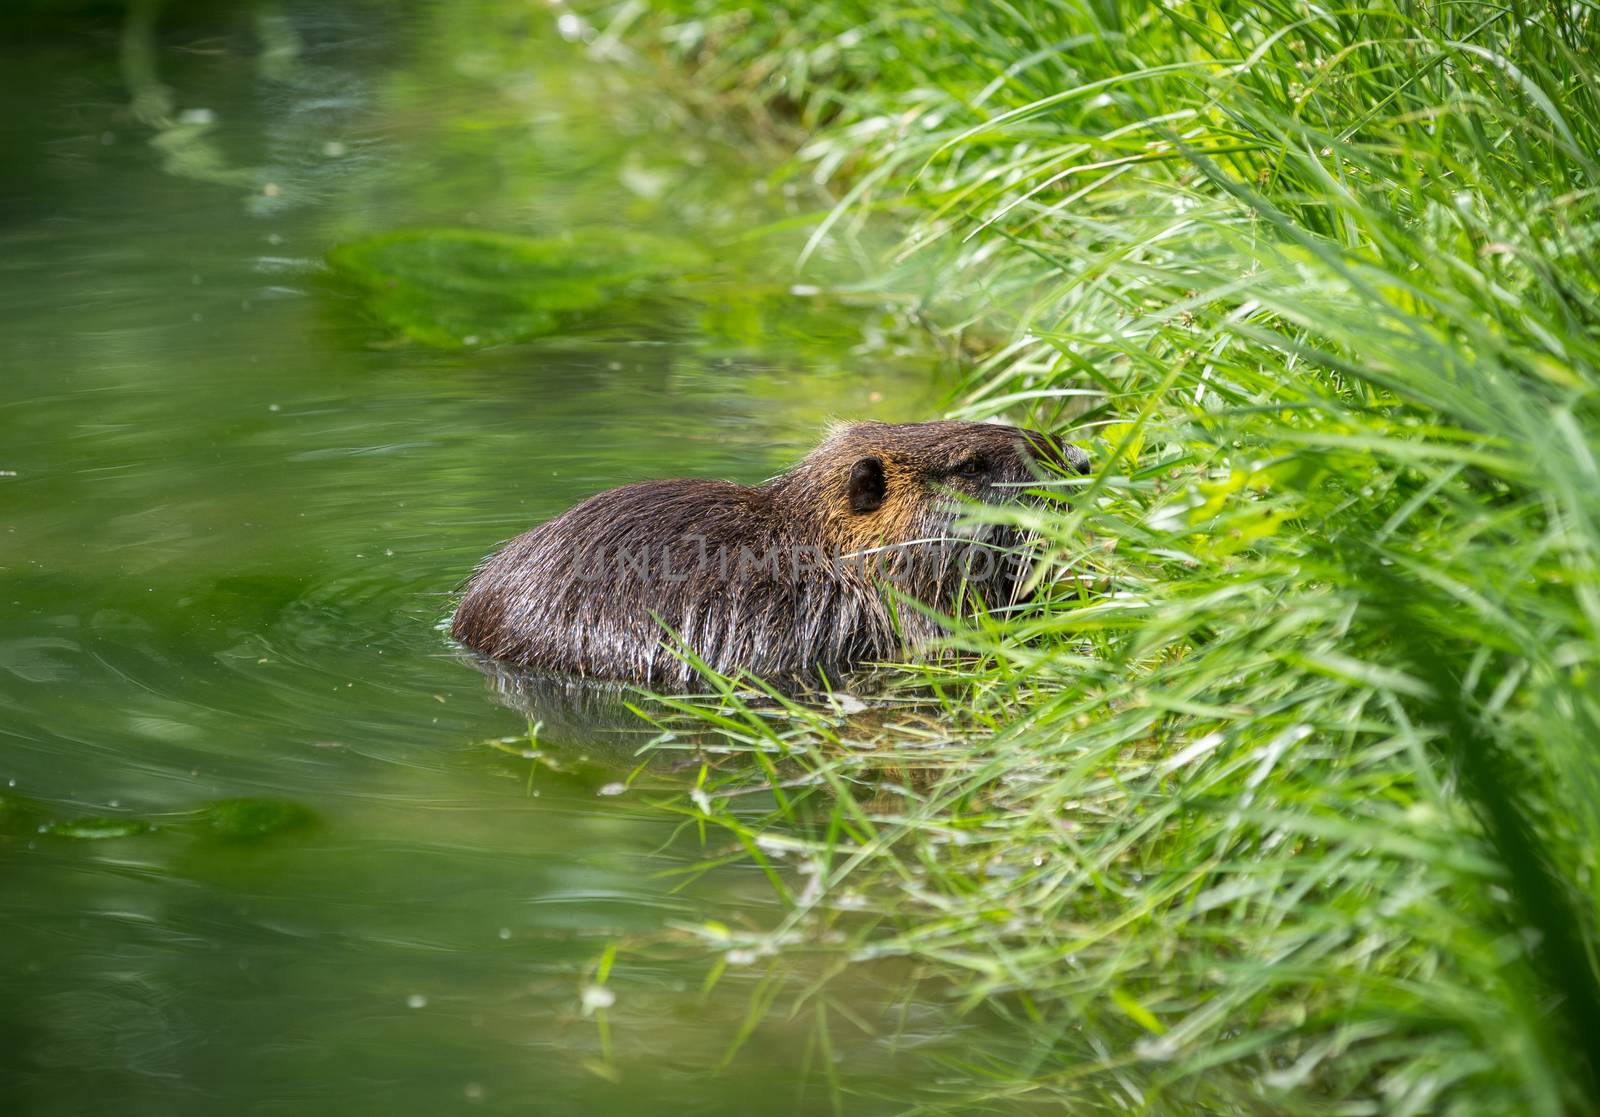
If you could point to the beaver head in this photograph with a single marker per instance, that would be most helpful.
(871, 483)
(901, 492)
(786, 580)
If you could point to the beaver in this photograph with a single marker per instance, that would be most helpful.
(797, 580)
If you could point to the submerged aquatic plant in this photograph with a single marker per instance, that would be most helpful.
(454, 288)
(1281, 795)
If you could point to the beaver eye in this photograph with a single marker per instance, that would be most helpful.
(971, 467)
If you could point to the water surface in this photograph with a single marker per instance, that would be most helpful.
(233, 513)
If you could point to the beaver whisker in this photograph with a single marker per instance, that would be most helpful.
(1028, 546)
(907, 545)
(1047, 483)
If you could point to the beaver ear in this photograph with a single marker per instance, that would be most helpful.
(867, 485)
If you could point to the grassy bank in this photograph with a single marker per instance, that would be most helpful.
(1283, 798)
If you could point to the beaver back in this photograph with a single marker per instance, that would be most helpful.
(723, 566)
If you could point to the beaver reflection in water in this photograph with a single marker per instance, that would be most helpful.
(785, 580)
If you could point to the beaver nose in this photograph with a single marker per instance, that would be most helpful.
(1064, 455)
(1076, 459)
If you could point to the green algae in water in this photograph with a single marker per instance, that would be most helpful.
(23, 817)
(458, 288)
(247, 820)
(97, 829)
(18, 815)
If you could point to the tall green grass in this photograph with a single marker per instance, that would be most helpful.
(1283, 797)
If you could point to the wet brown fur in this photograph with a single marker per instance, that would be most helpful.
(560, 597)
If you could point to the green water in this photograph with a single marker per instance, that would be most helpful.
(234, 510)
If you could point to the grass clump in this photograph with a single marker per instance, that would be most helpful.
(1282, 796)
